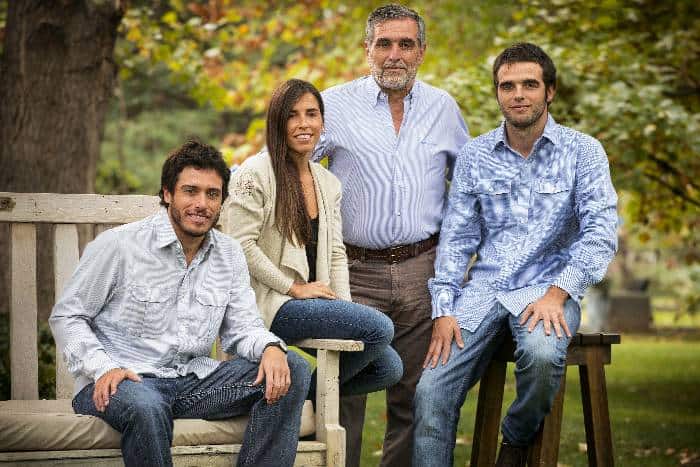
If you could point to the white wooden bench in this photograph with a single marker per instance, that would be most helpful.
(66, 212)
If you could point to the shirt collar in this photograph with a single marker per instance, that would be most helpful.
(550, 132)
(165, 233)
(375, 93)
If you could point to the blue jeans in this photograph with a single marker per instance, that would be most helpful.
(539, 365)
(143, 412)
(375, 368)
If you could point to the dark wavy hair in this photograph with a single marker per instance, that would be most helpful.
(291, 216)
(193, 153)
(527, 52)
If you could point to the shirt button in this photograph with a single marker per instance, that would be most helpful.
(398, 214)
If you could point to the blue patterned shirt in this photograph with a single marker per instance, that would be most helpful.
(394, 185)
(550, 219)
(134, 303)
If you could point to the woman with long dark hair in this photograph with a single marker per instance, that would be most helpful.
(285, 212)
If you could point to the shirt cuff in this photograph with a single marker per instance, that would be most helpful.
(105, 369)
(573, 280)
(443, 303)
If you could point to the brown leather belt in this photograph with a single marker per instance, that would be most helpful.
(395, 254)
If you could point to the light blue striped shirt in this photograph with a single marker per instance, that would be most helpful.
(550, 219)
(134, 303)
(393, 185)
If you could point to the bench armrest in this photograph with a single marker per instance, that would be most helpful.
(342, 345)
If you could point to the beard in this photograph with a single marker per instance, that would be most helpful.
(393, 79)
(524, 121)
(176, 216)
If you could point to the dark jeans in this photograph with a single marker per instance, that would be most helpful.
(539, 365)
(373, 369)
(401, 292)
(143, 412)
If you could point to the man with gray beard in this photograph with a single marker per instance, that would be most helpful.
(392, 140)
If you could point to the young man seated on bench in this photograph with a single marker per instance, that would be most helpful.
(137, 321)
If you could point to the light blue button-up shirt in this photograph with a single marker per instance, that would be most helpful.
(134, 303)
(394, 185)
(550, 219)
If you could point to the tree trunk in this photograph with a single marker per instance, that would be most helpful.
(56, 77)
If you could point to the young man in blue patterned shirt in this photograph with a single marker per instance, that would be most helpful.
(533, 200)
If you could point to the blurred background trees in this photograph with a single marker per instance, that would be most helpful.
(629, 74)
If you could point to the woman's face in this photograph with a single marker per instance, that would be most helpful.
(304, 125)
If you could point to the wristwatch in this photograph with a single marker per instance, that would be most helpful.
(279, 344)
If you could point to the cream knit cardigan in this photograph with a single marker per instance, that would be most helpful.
(274, 262)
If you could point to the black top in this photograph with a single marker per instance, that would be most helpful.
(312, 249)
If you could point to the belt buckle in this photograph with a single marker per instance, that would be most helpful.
(395, 254)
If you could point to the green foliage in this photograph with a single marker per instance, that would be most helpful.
(630, 75)
(146, 139)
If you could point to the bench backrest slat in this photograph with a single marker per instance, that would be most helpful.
(75, 209)
(65, 261)
(23, 313)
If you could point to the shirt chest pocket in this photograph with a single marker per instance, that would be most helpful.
(433, 158)
(212, 304)
(552, 195)
(495, 201)
(145, 312)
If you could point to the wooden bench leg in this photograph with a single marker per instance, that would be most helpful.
(545, 449)
(488, 415)
(328, 429)
(595, 410)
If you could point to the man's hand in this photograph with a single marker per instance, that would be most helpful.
(445, 328)
(302, 290)
(549, 309)
(106, 386)
(274, 370)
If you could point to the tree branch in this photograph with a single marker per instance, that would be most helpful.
(673, 189)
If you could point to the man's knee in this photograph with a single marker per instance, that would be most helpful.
(541, 354)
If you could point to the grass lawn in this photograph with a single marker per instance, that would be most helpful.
(654, 396)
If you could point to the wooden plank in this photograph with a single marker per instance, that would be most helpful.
(24, 369)
(610, 338)
(545, 449)
(328, 429)
(578, 355)
(327, 391)
(344, 345)
(595, 410)
(488, 415)
(75, 209)
(65, 247)
(308, 454)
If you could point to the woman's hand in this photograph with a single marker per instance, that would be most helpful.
(301, 291)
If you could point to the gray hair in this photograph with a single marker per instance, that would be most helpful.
(389, 12)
